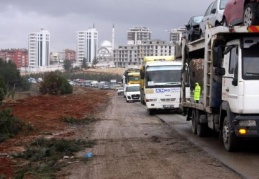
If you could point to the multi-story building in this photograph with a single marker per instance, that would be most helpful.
(134, 54)
(176, 35)
(39, 49)
(60, 57)
(18, 56)
(87, 45)
(54, 58)
(137, 35)
(70, 55)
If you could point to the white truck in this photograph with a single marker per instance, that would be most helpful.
(161, 83)
(229, 101)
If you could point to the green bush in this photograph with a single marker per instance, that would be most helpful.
(54, 84)
(3, 89)
(9, 124)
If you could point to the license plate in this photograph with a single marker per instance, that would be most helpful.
(168, 106)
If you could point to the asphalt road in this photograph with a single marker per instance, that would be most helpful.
(245, 161)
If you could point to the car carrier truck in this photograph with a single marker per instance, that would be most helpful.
(160, 83)
(229, 103)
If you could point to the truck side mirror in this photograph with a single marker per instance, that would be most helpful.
(220, 71)
(234, 82)
(217, 56)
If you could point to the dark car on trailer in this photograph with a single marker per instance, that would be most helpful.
(192, 28)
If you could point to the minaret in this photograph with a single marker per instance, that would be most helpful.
(113, 33)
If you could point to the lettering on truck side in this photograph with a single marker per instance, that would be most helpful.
(167, 90)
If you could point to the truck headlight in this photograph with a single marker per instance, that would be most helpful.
(247, 123)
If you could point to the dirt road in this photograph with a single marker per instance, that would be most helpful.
(132, 144)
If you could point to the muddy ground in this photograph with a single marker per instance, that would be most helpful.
(132, 144)
(44, 114)
(129, 142)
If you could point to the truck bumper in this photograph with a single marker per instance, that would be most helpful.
(163, 106)
(246, 126)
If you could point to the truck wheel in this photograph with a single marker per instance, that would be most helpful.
(194, 122)
(229, 138)
(151, 112)
(202, 129)
(249, 17)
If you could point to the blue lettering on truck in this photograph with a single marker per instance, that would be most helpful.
(167, 90)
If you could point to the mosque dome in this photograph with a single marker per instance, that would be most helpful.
(106, 44)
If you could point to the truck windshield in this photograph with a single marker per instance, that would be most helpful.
(132, 88)
(134, 78)
(163, 75)
(250, 64)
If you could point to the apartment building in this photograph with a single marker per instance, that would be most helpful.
(176, 35)
(130, 55)
(136, 35)
(18, 56)
(87, 45)
(39, 49)
(60, 57)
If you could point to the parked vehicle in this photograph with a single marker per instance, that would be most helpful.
(241, 12)
(132, 92)
(213, 15)
(120, 91)
(193, 28)
(130, 76)
(160, 83)
(229, 83)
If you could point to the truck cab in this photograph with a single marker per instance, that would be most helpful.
(230, 84)
(241, 80)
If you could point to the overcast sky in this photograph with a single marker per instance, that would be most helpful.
(63, 18)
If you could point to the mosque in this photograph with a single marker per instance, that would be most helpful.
(105, 53)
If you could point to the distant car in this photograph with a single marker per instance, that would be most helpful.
(120, 91)
(192, 28)
(32, 80)
(105, 86)
(213, 15)
(243, 12)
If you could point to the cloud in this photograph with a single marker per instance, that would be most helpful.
(63, 18)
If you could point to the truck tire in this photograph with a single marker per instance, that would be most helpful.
(229, 138)
(151, 112)
(202, 128)
(194, 122)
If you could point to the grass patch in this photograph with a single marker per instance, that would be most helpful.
(85, 121)
(45, 156)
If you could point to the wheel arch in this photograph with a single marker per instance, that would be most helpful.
(245, 3)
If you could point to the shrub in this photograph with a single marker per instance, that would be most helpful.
(9, 124)
(55, 84)
(3, 89)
